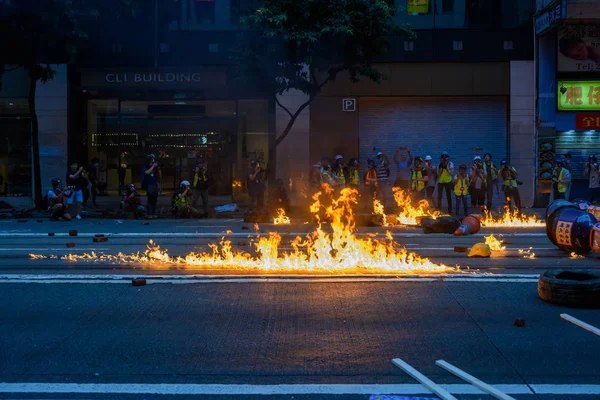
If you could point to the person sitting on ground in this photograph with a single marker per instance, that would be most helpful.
(131, 202)
(278, 197)
(56, 201)
(181, 202)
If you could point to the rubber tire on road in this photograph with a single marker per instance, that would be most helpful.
(570, 287)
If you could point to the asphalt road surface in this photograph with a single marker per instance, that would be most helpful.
(81, 330)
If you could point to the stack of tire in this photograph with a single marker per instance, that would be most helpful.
(570, 227)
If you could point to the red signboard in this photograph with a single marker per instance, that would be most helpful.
(587, 121)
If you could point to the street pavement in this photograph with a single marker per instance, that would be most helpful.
(81, 330)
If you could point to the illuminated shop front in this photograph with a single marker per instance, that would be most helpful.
(182, 117)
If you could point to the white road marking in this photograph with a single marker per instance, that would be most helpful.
(70, 250)
(581, 324)
(202, 226)
(297, 389)
(473, 381)
(425, 381)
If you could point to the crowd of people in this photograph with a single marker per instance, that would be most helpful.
(420, 176)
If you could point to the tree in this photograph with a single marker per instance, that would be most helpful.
(304, 45)
(38, 33)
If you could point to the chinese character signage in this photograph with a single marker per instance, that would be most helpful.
(579, 48)
(578, 95)
(548, 17)
(417, 6)
(587, 122)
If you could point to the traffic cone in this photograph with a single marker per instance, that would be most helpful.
(469, 226)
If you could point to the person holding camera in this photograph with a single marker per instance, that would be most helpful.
(592, 172)
(403, 159)
(418, 179)
(56, 201)
(461, 188)
(180, 202)
(477, 188)
(341, 171)
(256, 186)
(76, 182)
(431, 180)
(445, 173)
(201, 181)
(151, 177)
(510, 186)
(490, 171)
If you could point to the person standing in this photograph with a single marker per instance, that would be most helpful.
(567, 165)
(461, 188)
(200, 182)
(370, 179)
(403, 159)
(75, 184)
(491, 174)
(256, 186)
(93, 172)
(592, 172)
(354, 174)
(151, 178)
(478, 185)
(431, 181)
(561, 180)
(510, 186)
(445, 171)
(341, 171)
(419, 179)
(383, 172)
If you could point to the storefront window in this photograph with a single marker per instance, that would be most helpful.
(15, 147)
(178, 133)
(190, 14)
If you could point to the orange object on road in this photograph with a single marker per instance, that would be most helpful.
(468, 226)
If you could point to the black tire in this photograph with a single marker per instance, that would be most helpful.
(570, 287)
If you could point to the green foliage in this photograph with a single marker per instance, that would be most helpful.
(305, 44)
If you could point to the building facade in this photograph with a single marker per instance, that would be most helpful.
(568, 89)
(464, 85)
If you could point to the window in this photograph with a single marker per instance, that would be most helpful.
(508, 45)
(409, 46)
(457, 45)
(190, 14)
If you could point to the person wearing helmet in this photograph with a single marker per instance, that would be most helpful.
(151, 178)
(181, 200)
(329, 177)
(341, 171)
(510, 186)
(131, 202)
(354, 174)
(445, 172)
(256, 186)
(431, 180)
(477, 188)
(370, 179)
(418, 180)
(491, 175)
(403, 159)
(592, 172)
(461, 188)
(56, 201)
(561, 179)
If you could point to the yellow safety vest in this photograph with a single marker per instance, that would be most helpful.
(415, 184)
(510, 181)
(354, 177)
(341, 176)
(445, 176)
(562, 187)
(461, 188)
(196, 176)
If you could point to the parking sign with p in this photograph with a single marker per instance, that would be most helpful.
(348, 105)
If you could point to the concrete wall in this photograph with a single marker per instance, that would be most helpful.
(522, 127)
(51, 104)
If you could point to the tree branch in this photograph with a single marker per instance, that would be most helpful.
(288, 128)
(283, 107)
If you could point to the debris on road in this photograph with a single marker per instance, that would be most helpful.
(101, 239)
(569, 228)
(519, 322)
(138, 282)
(70, 245)
(50, 233)
(527, 253)
(481, 250)
(570, 287)
(145, 223)
(72, 232)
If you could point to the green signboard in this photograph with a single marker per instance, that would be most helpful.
(578, 95)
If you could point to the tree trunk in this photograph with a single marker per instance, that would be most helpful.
(35, 143)
(292, 120)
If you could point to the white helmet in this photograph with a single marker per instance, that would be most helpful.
(185, 183)
(338, 157)
(427, 158)
(476, 158)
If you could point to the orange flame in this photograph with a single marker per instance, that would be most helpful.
(409, 214)
(495, 244)
(337, 250)
(513, 219)
(527, 253)
(281, 218)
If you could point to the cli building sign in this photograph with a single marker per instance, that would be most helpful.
(160, 79)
